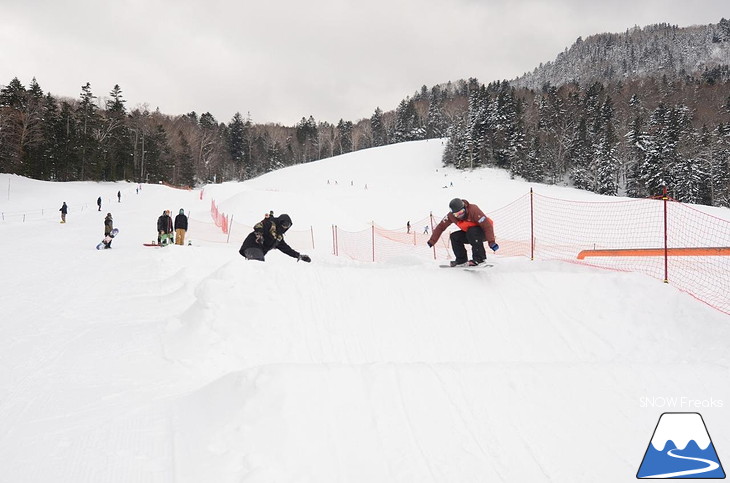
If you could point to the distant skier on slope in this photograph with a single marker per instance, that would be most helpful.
(64, 212)
(108, 227)
(474, 228)
(267, 235)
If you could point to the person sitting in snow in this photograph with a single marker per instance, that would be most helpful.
(474, 228)
(267, 235)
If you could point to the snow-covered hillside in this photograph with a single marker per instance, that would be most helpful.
(190, 364)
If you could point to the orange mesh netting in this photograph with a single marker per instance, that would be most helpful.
(661, 238)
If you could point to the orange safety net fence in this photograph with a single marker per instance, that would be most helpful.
(662, 238)
(590, 233)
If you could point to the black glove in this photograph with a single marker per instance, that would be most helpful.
(304, 258)
(494, 246)
(430, 245)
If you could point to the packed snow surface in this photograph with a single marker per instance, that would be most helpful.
(189, 364)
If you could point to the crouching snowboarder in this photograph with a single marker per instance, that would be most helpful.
(267, 235)
(474, 228)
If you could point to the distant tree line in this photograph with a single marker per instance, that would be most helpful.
(622, 134)
(98, 138)
(625, 138)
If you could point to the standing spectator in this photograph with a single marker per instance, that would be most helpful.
(108, 227)
(181, 227)
(119, 196)
(98, 202)
(408, 227)
(164, 228)
(64, 211)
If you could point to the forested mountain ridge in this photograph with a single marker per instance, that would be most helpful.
(655, 50)
(618, 114)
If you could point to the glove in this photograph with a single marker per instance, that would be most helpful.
(430, 245)
(304, 258)
(494, 246)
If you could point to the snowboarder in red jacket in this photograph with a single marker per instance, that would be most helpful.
(474, 228)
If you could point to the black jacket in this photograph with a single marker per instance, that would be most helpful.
(108, 225)
(269, 234)
(181, 222)
(164, 224)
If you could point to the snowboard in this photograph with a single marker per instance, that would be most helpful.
(165, 239)
(107, 239)
(483, 266)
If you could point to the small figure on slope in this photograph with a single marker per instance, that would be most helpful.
(181, 227)
(164, 228)
(108, 227)
(64, 212)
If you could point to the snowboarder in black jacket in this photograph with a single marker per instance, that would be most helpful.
(267, 235)
(181, 227)
(64, 212)
(164, 228)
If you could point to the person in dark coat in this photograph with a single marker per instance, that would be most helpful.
(268, 235)
(108, 227)
(164, 227)
(474, 228)
(64, 212)
(98, 202)
(181, 227)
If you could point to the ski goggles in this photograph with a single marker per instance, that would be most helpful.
(461, 213)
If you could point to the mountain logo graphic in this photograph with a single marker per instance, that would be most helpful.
(681, 448)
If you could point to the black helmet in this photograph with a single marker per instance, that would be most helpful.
(284, 222)
(456, 204)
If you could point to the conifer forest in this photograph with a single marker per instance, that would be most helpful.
(617, 114)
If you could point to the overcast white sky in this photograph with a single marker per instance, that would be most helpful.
(284, 60)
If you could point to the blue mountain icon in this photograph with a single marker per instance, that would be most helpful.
(681, 448)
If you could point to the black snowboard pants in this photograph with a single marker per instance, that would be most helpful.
(473, 236)
(252, 254)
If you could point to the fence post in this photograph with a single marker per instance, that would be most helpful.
(430, 217)
(532, 227)
(372, 231)
(230, 224)
(665, 199)
(311, 231)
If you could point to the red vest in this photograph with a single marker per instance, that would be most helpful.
(466, 224)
